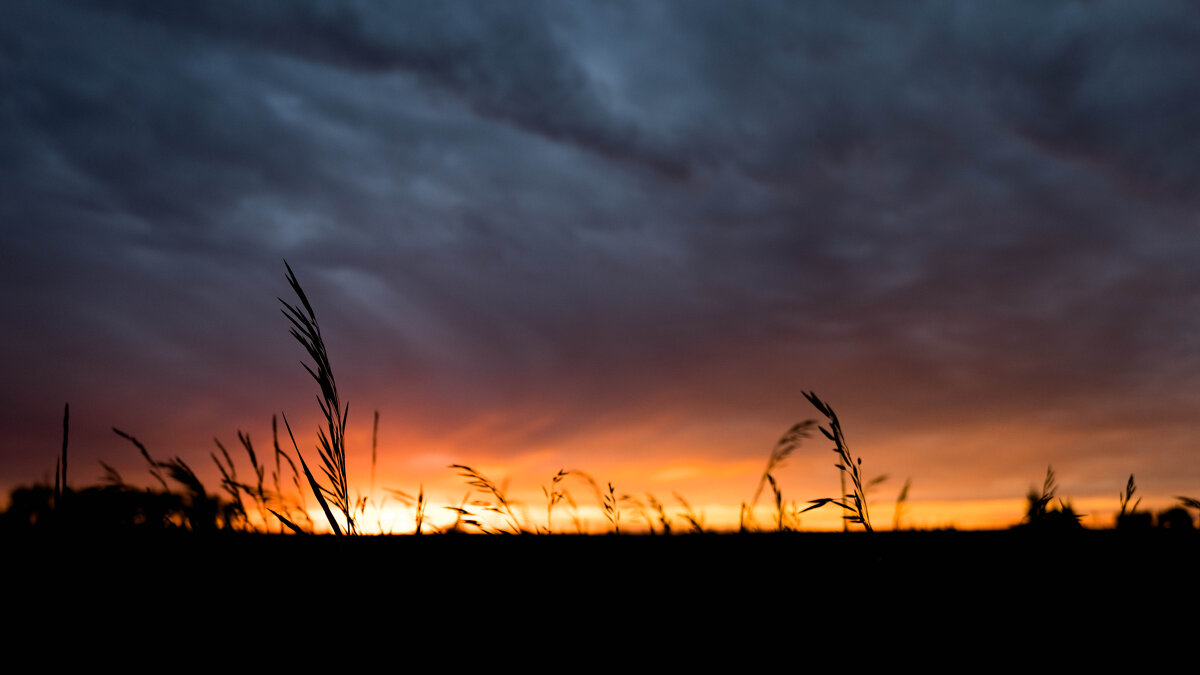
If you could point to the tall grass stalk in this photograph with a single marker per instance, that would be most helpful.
(418, 503)
(1038, 503)
(459, 512)
(778, 504)
(317, 489)
(574, 510)
(229, 483)
(786, 445)
(420, 517)
(200, 512)
(1130, 488)
(553, 496)
(663, 520)
(374, 451)
(612, 510)
(332, 448)
(276, 476)
(1040, 514)
(854, 502)
(60, 471)
(640, 509)
(901, 500)
(478, 480)
(696, 522)
(608, 503)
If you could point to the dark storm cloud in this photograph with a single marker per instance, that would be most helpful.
(624, 208)
(504, 61)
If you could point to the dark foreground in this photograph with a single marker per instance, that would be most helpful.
(722, 603)
(941, 565)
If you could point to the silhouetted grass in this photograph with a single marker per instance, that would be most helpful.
(854, 502)
(332, 448)
(1130, 488)
(1189, 503)
(640, 509)
(663, 520)
(264, 501)
(194, 509)
(553, 496)
(60, 467)
(197, 510)
(478, 480)
(901, 500)
(784, 447)
(612, 512)
(694, 521)
(1041, 514)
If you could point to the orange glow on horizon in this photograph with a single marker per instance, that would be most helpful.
(394, 518)
(963, 477)
(699, 470)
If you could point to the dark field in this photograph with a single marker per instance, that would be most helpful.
(675, 601)
(935, 565)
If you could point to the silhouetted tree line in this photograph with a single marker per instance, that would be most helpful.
(118, 507)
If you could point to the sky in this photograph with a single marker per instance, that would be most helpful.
(622, 238)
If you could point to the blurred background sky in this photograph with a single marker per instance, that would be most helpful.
(618, 237)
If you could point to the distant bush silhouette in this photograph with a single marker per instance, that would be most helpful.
(1186, 503)
(108, 508)
(1042, 514)
(1176, 518)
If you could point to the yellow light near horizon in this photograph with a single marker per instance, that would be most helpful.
(394, 518)
(714, 486)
